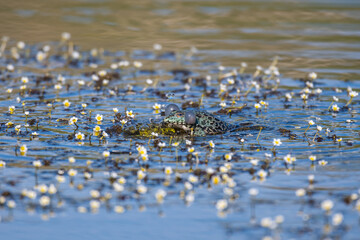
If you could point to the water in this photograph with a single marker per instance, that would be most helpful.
(307, 36)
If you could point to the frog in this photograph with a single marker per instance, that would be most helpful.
(197, 123)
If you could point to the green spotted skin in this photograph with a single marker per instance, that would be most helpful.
(205, 124)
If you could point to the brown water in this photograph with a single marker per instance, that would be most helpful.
(307, 35)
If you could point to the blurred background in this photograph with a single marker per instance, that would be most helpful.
(321, 36)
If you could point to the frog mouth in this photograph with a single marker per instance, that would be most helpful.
(177, 126)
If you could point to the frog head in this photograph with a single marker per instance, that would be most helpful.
(181, 119)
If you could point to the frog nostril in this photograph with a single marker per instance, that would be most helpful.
(170, 108)
(190, 117)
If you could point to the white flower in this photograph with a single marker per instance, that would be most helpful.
(94, 204)
(72, 172)
(261, 173)
(211, 144)
(104, 134)
(323, 163)
(353, 94)
(319, 128)
(160, 195)
(300, 192)
(141, 149)
(73, 120)
(222, 104)
(279, 219)
(137, 64)
(11, 204)
(31, 194)
(52, 189)
(37, 163)
(335, 108)
(221, 204)
(118, 187)
(266, 222)
(149, 81)
(157, 106)
(20, 45)
(223, 88)
(312, 76)
(168, 170)
(337, 219)
(289, 159)
(60, 178)
(327, 205)
(44, 201)
(58, 86)
(99, 117)
(188, 186)
(67, 103)
(130, 114)
(71, 160)
(65, 36)
(277, 142)
(124, 63)
(2, 164)
(254, 162)
(193, 179)
(253, 192)
(94, 193)
(318, 91)
(157, 46)
(304, 96)
(23, 149)
(189, 198)
(81, 82)
(24, 80)
(119, 209)
(223, 169)
(288, 96)
(228, 156)
(97, 129)
(40, 56)
(311, 122)
(102, 73)
(141, 189)
(75, 55)
(106, 154)
(79, 136)
(42, 188)
(141, 175)
(231, 81)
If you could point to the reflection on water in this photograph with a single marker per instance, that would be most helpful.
(243, 187)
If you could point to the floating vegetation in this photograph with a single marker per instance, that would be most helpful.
(82, 129)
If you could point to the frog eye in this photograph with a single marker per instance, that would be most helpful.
(170, 108)
(179, 115)
(190, 117)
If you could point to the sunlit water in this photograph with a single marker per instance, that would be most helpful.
(309, 36)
